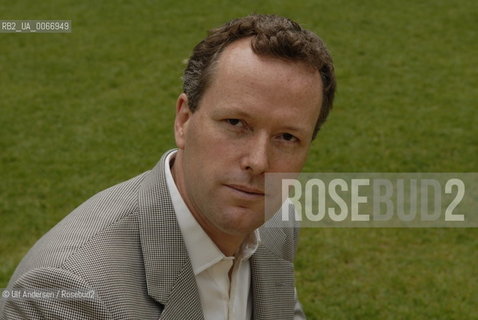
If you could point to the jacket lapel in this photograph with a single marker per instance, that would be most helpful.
(169, 276)
(272, 279)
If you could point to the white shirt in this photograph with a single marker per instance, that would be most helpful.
(220, 297)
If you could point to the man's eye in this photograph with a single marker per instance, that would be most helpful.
(234, 122)
(289, 137)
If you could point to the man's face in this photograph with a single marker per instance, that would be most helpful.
(258, 115)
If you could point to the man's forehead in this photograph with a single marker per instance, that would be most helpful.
(239, 60)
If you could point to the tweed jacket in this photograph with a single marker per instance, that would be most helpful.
(125, 246)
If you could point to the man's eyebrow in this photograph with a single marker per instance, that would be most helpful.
(234, 110)
(295, 129)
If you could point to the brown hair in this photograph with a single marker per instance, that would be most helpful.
(271, 36)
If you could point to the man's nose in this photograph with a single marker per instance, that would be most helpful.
(257, 155)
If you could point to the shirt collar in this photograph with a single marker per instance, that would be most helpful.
(202, 251)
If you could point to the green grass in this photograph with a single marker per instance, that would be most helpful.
(83, 111)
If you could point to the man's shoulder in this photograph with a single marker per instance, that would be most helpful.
(95, 218)
(98, 247)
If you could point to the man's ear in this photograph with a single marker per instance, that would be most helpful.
(183, 114)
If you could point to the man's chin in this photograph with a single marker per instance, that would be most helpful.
(242, 221)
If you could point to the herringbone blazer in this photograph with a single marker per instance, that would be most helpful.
(125, 244)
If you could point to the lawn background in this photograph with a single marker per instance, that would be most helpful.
(86, 110)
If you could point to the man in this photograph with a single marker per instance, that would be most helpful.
(183, 241)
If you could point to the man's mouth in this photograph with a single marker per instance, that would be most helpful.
(246, 189)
